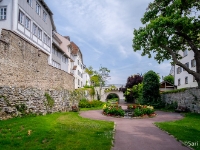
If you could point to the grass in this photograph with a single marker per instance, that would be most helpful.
(92, 108)
(187, 130)
(59, 131)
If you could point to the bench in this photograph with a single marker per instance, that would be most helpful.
(181, 109)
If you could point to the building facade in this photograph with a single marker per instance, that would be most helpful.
(31, 19)
(78, 67)
(182, 78)
(61, 53)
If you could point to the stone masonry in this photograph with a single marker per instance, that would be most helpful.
(25, 76)
(190, 98)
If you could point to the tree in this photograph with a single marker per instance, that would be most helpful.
(129, 90)
(169, 78)
(151, 85)
(134, 80)
(170, 26)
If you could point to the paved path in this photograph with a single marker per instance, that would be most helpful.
(140, 134)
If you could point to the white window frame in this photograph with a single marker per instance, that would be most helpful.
(185, 53)
(3, 13)
(27, 23)
(29, 2)
(45, 38)
(39, 33)
(186, 80)
(35, 29)
(187, 65)
(21, 17)
(38, 9)
(193, 63)
(179, 82)
(44, 16)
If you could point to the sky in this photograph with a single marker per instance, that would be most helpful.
(103, 31)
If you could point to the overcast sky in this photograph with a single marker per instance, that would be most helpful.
(103, 30)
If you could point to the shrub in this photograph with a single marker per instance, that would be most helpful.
(138, 112)
(151, 85)
(113, 110)
(88, 104)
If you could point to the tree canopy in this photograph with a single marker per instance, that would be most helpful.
(170, 26)
(169, 79)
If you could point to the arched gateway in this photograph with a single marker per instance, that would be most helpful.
(105, 93)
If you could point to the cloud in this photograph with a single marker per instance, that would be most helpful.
(103, 30)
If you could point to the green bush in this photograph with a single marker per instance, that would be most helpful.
(138, 112)
(89, 104)
(151, 85)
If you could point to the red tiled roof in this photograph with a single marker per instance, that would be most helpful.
(74, 47)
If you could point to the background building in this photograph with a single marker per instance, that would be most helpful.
(31, 19)
(182, 78)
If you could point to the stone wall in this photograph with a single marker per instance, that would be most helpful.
(190, 98)
(24, 65)
(34, 100)
(25, 77)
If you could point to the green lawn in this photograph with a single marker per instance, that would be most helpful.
(59, 131)
(187, 130)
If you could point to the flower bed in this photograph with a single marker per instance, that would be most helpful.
(142, 110)
(113, 110)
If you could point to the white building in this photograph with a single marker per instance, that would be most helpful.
(182, 78)
(31, 19)
(79, 67)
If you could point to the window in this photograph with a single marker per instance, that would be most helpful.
(38, 9)
(45, 38)
(48, 41)
(21, 17)
(78, 82)
(3, 13)
(179, 82)
(187, 65)
(29, 2)
(78, 62)
(186, 80)
(55, 64)
(27, 23)
(185, 53)
(34, 29)
(193, 63)
(64, 59)
(179, 70)
(194, 80)
(44, 16)
(39, 33)
(59, 54)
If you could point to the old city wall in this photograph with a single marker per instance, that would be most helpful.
(189, 98)
(25, 76)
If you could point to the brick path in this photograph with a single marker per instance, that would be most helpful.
(140, 134)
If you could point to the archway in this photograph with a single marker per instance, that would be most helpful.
(112, 97)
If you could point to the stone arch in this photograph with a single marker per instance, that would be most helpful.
(114, 94)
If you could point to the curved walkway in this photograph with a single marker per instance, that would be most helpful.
(140, 134)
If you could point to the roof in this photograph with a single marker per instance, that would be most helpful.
(163, 83)
(76, 50)
(50, 13)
